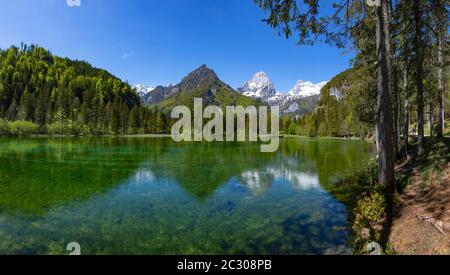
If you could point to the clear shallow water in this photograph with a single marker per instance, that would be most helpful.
(154, 196)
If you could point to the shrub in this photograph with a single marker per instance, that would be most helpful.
(5, 128)
(370, 211)
(371, 208)
(56, 129)
(68, 128)
(293, 129)
(367, 219)
(24, 128)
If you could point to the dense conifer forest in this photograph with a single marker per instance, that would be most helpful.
(41, 93)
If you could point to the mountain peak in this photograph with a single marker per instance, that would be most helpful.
(261, 74)
(203, 70)
(198, 77)
(259, 86)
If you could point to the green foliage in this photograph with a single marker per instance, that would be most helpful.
(346, 107)
(301, 19)
(67, 128)
(24, 128)
(367, 219)
(369, 211)
(18, 128)
(293, 129)
(65, 96)
(370, 207)
(5, 128)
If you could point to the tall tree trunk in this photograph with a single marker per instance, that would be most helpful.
(406, 110)
(384, 107)
(393, 79)
(431, 118)
(395, 104)
(441, 116)
(418, 45)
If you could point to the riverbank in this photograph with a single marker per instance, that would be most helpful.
(91, 136)
(166, 136)
(421, 225)
(333, 138)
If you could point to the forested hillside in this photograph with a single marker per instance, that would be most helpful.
(346, 107)
(43, 93)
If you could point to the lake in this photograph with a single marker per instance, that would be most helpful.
(155, 196)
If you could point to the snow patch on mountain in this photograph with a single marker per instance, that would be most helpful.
(300, 100)
(305, 89)
(143, 90)
(260, 86)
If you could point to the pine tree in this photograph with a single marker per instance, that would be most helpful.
(24, 113)
(134, 120)
(419, 74)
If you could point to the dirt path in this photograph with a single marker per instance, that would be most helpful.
(422, 225)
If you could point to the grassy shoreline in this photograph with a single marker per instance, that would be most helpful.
(90, 136)
(420, 223)
(169, 136)
(332, 138)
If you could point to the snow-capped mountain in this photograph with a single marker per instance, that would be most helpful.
(143, 90)
(259, 86)
(300, 100)
(305, 89)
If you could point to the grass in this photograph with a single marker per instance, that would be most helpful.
(147, 136)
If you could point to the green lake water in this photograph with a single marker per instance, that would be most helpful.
(155, 196)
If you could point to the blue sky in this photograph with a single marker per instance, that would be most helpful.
(157, 42)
